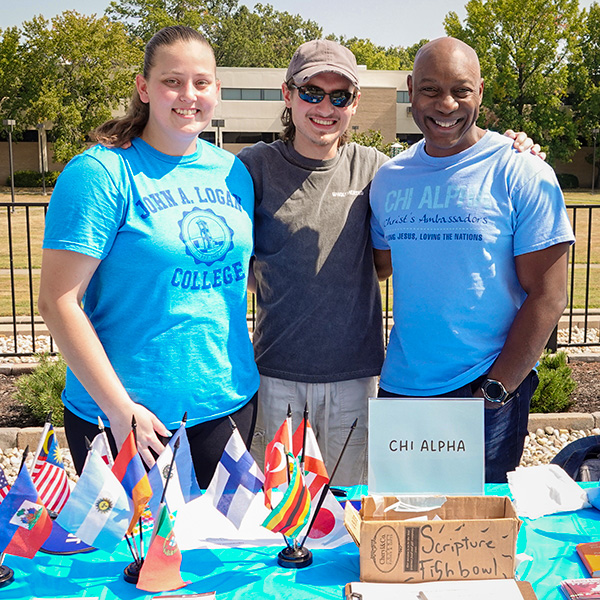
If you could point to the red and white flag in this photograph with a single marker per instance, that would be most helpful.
(328, 530)
(315, 473)
(101, 446)
(276, 466)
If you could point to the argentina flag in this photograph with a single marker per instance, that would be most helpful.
(98, 510)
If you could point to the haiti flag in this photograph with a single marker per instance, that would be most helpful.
(24, 521)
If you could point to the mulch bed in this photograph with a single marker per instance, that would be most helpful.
(586, 397)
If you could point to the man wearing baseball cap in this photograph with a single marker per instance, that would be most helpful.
(318, 337)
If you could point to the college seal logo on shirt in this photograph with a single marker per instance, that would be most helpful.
(206, 236)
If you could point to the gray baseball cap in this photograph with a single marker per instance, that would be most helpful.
(322, 56)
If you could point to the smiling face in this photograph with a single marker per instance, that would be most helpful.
(446, 91)
(319, 127)
(181, 90)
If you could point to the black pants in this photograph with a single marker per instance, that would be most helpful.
(207, 440)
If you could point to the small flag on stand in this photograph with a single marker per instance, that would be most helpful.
(24, 521)
(4, 485)
(161, 569)
(183, 487)
(276, 468)
(315, 473)
(97, 511)
(48, 474)
(291, 514)
(101, 446)
(130, 471)
(236, 481)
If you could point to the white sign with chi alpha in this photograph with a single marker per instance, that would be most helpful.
(426, 446)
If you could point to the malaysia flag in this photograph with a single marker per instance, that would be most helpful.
(49, 475)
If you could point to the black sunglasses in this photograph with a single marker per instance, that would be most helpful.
(314, 95)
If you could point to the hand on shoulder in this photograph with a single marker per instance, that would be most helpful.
(523, 143)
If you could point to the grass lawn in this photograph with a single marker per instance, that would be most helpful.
(24, 227)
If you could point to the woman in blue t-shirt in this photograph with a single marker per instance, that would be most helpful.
(145, 264)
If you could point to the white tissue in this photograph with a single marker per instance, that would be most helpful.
(545, 490)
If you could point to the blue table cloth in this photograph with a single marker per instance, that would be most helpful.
(237, 574)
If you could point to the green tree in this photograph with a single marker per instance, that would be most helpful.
(525, 47)
(143, 18)
(374, 57)
(585, 83)
(11, 73)
(78, 69)
(378, 57)
(374, 138)
(240, 37)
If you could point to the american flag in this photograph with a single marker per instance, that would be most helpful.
(49, 475)
(4, 485)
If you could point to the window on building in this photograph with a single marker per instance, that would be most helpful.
(409, 138)
(402, 97)
(248, 137)
(251, 94)
(209, 136)
(272, 95)
(231, 94)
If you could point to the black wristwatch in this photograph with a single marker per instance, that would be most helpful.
(494, 391)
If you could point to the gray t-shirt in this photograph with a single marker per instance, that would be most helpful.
(318, 301)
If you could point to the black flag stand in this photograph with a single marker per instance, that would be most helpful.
(131, 572)
(7, 575)
(294, 556)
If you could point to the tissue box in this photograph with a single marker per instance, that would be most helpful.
(474, 537)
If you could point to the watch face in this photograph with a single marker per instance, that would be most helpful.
(494, 390)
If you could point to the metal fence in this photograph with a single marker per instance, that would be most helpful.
(23, 333)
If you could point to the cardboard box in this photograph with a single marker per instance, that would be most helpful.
(475, 538)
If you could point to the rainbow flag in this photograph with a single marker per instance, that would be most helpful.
(291, 514)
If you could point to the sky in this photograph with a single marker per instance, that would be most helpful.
(384, 22)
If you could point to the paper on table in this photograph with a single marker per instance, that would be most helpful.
(544, 490)
(200, 525)
(490, 589)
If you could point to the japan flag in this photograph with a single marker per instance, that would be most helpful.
(328, 530)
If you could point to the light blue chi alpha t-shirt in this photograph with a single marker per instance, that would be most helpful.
(168, 299)
(454, 226)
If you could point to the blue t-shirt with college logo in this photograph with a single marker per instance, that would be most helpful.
(168, 299)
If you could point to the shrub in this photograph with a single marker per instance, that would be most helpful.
(41, 390)
(567, 181)
(556, 384)
(33, 178)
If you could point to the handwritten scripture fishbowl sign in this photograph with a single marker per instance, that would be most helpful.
(426, 446)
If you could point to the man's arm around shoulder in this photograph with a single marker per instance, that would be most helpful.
(383, 263)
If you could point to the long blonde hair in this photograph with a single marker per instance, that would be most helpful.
(118, 131)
